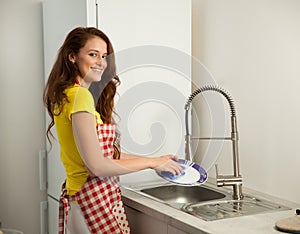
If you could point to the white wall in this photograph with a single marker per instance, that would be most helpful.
(22, 114)
(252, 49)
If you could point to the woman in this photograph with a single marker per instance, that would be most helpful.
(89, 149)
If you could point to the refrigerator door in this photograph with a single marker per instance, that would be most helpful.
(53, 207)
(55, 169)
(59, 17)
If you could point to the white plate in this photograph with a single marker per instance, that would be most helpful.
(193, 174)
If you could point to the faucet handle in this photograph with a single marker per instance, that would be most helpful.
(220, 180)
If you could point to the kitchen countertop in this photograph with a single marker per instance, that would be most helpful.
(259, 223)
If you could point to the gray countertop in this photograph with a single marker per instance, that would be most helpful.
(252, 224)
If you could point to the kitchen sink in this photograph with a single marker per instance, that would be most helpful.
(207, 202)
(182, 194)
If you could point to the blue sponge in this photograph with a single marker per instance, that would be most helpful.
(170, 176)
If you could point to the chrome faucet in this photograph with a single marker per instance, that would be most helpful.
(234, 180)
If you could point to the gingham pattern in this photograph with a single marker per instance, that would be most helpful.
(63, 210)
(99, 198)
(106, 136)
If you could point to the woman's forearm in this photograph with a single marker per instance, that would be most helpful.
(91, 153)
(128, 156)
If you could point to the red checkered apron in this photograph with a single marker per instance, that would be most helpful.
(99, 198)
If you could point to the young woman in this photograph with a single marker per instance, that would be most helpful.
(89, 149)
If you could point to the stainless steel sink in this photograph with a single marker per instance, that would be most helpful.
(207, 202)
(181, 194)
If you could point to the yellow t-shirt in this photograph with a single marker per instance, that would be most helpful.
(80, 99)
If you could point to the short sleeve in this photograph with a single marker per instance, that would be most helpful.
(80, 99)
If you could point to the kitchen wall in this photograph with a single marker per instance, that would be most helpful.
(22, 114)
(252, 49)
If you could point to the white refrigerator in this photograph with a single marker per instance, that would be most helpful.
(152, 42)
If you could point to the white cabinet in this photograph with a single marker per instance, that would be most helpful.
(142, 223)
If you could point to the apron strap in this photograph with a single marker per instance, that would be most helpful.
(64, 207)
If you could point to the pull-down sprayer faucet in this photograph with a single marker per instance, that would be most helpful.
(234, 180)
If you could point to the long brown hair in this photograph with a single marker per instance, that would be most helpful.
(64, 73)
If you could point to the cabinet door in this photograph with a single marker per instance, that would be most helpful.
(145, 224)
(173, 230)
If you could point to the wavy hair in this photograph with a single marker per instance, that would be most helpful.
(64, 73)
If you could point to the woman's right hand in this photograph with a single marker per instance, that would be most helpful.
(167, 163)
